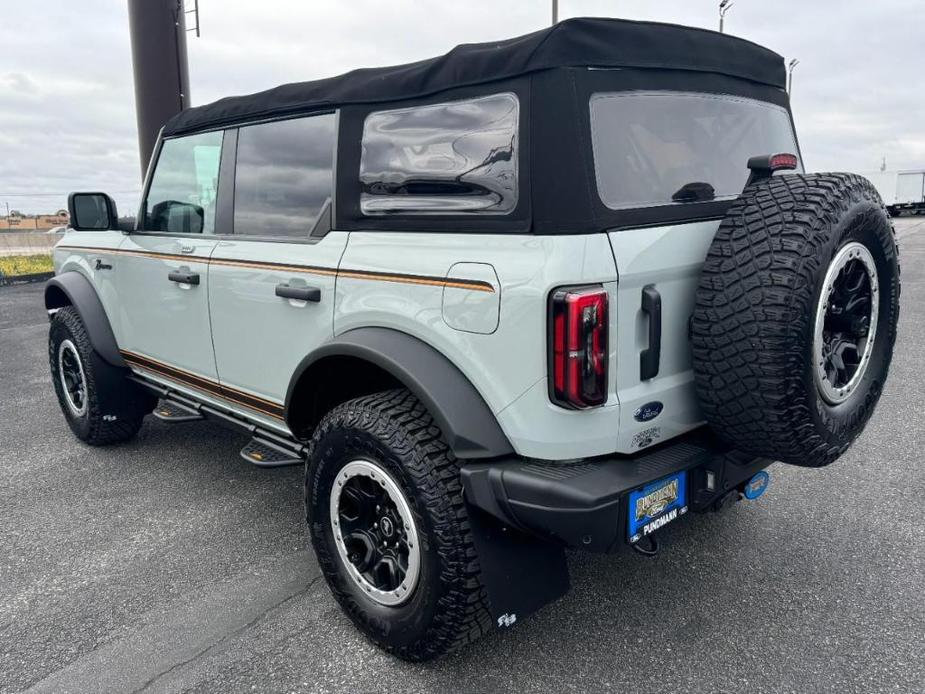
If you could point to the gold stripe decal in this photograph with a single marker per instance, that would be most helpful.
(257, 265)
(428, 280)
(214, 388)
(475, 285)
(144, 254)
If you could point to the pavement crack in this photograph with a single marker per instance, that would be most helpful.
(227, 637)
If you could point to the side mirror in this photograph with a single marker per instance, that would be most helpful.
(92, 212)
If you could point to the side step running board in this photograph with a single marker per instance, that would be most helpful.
(264, 453)
(266, 448)
(175, 412)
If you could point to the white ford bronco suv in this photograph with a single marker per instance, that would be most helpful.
(551, 292)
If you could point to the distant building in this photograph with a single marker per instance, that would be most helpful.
(39, 222)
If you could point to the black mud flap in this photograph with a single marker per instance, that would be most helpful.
(521, 573)
(117, 394)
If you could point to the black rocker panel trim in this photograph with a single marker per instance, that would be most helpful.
(467, 423)
(80, 294)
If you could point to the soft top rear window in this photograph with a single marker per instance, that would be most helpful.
(457, 157)
(658, 148)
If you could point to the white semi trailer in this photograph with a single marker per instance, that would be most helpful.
(902, 191)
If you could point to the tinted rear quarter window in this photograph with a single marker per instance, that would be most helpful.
(649, 145)
(457, 157)
(283, 176)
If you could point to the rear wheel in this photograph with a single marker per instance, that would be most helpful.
(374, 532)
(387, 519)
(795, 317)
(99, 404)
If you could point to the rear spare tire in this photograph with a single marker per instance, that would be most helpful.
(795, 317)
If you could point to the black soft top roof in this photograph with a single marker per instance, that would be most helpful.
(582, 42)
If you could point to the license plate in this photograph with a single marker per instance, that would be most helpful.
(656, 505)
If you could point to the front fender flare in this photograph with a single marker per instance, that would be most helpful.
(467, 422)
(72, 288)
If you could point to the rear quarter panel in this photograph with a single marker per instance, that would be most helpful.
(508, 365)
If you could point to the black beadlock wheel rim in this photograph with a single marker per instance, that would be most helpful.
(375, 533)
(72, 377)
(846, 323)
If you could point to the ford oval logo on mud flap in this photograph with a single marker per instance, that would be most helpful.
(648, 412)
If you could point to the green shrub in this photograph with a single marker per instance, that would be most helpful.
(15, 265)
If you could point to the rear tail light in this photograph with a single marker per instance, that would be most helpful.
(578, 349)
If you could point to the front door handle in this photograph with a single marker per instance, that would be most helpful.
(301, 293)
(184, 277)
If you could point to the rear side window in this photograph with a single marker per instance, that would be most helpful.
(657, 148)
(453, 158)
(181, 198)
(283, 176)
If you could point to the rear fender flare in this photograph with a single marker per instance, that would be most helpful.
(467, 422)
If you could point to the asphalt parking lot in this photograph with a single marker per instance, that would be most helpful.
(170, 564)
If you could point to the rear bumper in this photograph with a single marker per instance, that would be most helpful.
(585, 504)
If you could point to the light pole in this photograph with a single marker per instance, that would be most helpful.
(724, 6)
(555, 12)
(158, 35)
(792, 64)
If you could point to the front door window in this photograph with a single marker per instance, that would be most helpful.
(181, 198)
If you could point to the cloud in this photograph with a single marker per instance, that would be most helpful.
(67, 119)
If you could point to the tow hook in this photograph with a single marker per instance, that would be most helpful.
(649, 551)
(751, 490)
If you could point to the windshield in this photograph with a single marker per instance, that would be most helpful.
(657, 148)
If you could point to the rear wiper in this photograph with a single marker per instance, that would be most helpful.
(695, 191)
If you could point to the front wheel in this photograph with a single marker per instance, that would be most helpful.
(385, 509)
(100, 405)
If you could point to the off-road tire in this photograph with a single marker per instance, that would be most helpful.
(754, 316)
(110, 417)
(448, 607)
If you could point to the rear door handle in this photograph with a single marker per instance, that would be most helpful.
(184, 277)
(649, 357)
(300, 293)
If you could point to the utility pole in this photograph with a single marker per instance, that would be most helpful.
(792, 64)
(555, 12)
(724, 6)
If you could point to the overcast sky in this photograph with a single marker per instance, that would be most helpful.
(67, 118)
